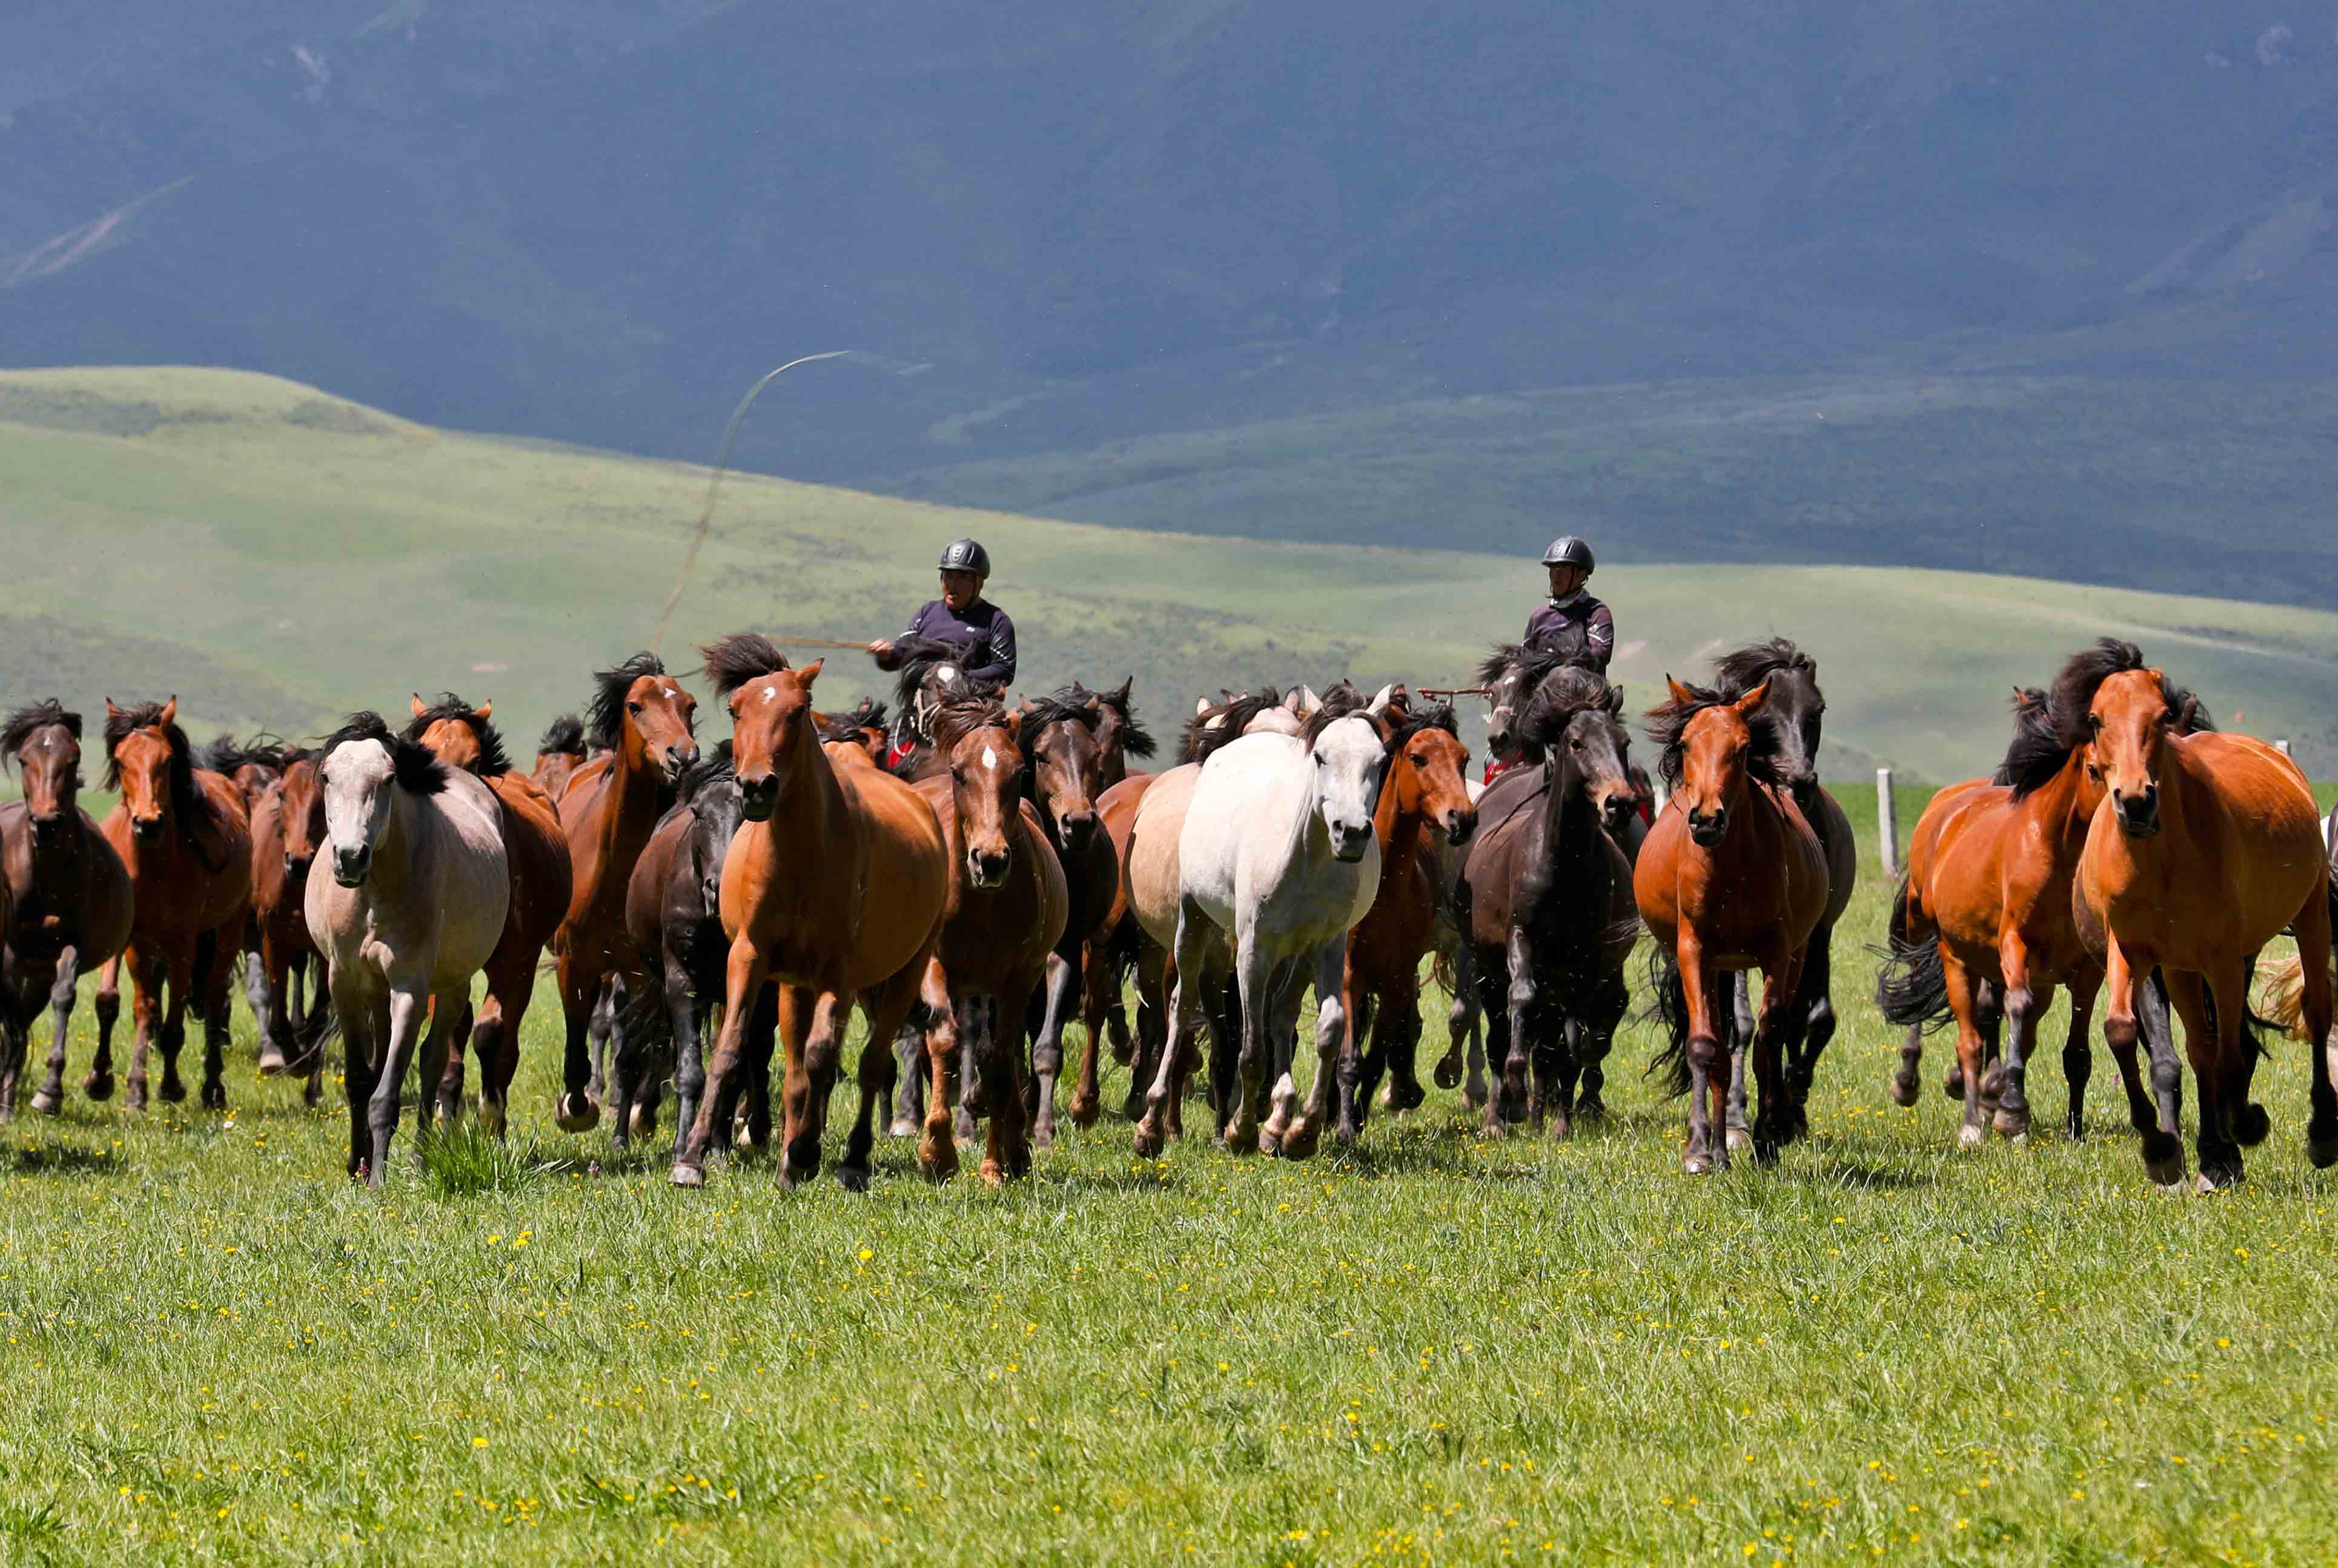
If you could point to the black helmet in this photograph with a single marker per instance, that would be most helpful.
(1566, 550)
(966, 555)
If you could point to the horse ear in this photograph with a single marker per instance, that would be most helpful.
(1380, 700)
(420, 707)
(1682, 696)
(1014, 723)
(170, 710)
(1201, 706)
(2190, 716)
(1119, 694)
(112, 712)
(809, 674)
(485, 710)
(1751, 703)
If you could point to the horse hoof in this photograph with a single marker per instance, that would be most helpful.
(903, 1127)
(1084, 1111)
(577, 1114)
(1561, 1129)
(852, 1178)
(937, 1157)
(1592, 1110)
(2321, 1148)
(2013, 1124)
(2250, 1125)
(1042, 1138)
(214, 1096)
(49, 1104)
(1298, 1144)
(642, 1121)
(1132, 1108)
(314, 1096)
(1695, 1165)
(491, 1119)
(1969, 1136)
(992, 1175)
(1903, 1090)
(686, 1176)
(1406, 1096)
(1449, 1072)
(2208, 1185)
(1739, 1139)
(172, 1091)
(98, 1085)
(1953, 1085)
(1148, 1139)
(271, 1061)
(2163, 1158)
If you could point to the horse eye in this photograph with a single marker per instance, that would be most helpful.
(633, 708)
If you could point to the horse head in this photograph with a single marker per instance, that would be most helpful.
(300, 804)
(1348, 755)
(771, 718)
(364, 769)
(2127, 724)
(1118, 734)
(986, 773)
(1429, 774)
(43, 740)
(1710, 754)
(147, 759)
(1794, 713)
(1574, 719)
(640, 710)
(1062, 742)
(1512, 673)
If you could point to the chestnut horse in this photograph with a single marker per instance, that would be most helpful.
(2206, 846)
(288, 829)
(1426, 793)
(65, 904)
(535, 858)
(606, 809)
(559, 754)
(835, 887)
(1730, 876)
(184, 836)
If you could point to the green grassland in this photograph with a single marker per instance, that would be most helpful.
(1430, 1347)
(277, 557)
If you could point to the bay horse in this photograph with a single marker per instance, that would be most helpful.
(1425, 799)
(835, 887)
(2205, 847)
(1546, 891)
(535, 858)
(184, 836)
(64, 894)
(253, 767)
(416, 904)
(559, 754)
(607, 810)
(1982, 927)
(288, 829)
(1007, 909)
(1276, 862)
(1730, 875)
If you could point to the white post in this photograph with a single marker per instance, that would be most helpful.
(1887, 826)
(2283, 747)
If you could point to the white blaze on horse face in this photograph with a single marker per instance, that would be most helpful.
(771, 694)
(989, 756)
(356, 785)
(1350, 757)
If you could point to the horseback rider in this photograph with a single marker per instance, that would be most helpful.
(963, 617)
(1570, 605)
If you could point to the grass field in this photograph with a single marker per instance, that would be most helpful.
(1431, 1346)
(277, 557)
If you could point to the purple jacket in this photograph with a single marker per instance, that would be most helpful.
(984, 631)
(1578, 609)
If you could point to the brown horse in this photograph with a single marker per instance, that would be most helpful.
(537, 860)
(287, 829)
(64, 895)
(2206, 849)
(559, 754)
(1126, 946)
(1426, 791)
(607, 811)
(1007, 911)
(836, 888)
(1731, 875)
(183, 835)
(1982, 926)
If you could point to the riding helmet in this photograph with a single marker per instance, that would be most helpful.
(1566, 550)
(966, 555)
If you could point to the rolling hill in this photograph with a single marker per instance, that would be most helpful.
(277, 557)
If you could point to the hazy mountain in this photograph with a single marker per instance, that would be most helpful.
(1229, 236)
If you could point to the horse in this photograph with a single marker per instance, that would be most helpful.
(536, 857)
(184, 836)
(1264, 711)
(2205, 846)
(416, 903)
(1276, 862)
(559, 754)
(64, 894)
(1982, 926)
(930, 670)
(1547, 894)
(253, 767)
(288, 829)
(607, 810)
(1424, 798)
(1730, 875)
(1796, 710)
(817, 841)
(1007, 911)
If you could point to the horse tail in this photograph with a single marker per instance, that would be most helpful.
(1912, 985)
(2281, 988)
(1668, 1006)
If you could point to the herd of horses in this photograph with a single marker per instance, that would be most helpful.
(972, 875)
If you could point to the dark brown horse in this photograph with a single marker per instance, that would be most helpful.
(65, 902)
(183, 835)
(608, 811)
(559, 754)
(835, 887)
(1732, 875)
(287, 829)
(536, 857)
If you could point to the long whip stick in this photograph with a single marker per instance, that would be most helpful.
(722, 459)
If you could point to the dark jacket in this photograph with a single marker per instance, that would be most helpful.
(984, 631)
(1581, 609)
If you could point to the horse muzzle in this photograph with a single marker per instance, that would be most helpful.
(1460, 826)
(1075, 829)
(678, 762)
(350, 867)
(758, 798)
(2138, 815)
(985, 870)
(48, 829)
(146, 829)
(1348, 843)
(1708, 831)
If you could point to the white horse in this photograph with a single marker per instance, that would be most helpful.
(415, 905)
(1276, 856)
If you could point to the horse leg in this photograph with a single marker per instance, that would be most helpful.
(1811, 1030)
(938, 1148)
(2025, 1002)
(575, 1111)
(318, 1022)
(49, 1099)
(1096, 966)
(1965, 1003)
(1519, 1004)
(2135, 1009)
(598, 1029)
(1460, 1011)
(214, 994)
(1912, 1063)
(1267, 1050)
(743, 984)
(406, 1020)
(1048, 1051)
(886, 1008)
(1740, 1038)
(147, 970)
(365, 1027)
(2245, 1122)
(264, 988)
(1494, 1008)
(189, 971)
(1610, 1002)
(1008, 1157)
(444, 1034)
(2078, 1057)
(811, 1084)
(2313, 938)
(1708, 1061)
(1401, 1006)
(2220, 1158)
(763, 1044)
(99, 1084)
(1782, 1002)
(1331, 1039)
(1153, 983)
(1364, 1055)
(1186, 985)
(689, 1050)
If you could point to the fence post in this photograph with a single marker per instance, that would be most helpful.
(2283, 747)
(1887, 825)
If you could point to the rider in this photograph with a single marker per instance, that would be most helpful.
(1570, 605)
(962, 616)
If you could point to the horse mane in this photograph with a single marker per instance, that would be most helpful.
(1135, 740)
(415, 766)
(2036, 753)
(1208, 733)
(563, 736)
(1574, 647)
(224, 754)
(918, 655)
(710, 768)
(494, 760)
(1342, 700)
(969, 706)
(606, 712)
(31, 717)
(2072, 698)
(1071, 704)
(870, 715)
(1734, 674)
(1668, 729)
(190, 803)
(1438, 716)
(1566, 691)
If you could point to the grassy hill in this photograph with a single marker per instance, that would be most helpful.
(276, 556)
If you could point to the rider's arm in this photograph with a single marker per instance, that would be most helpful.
(997, 655)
